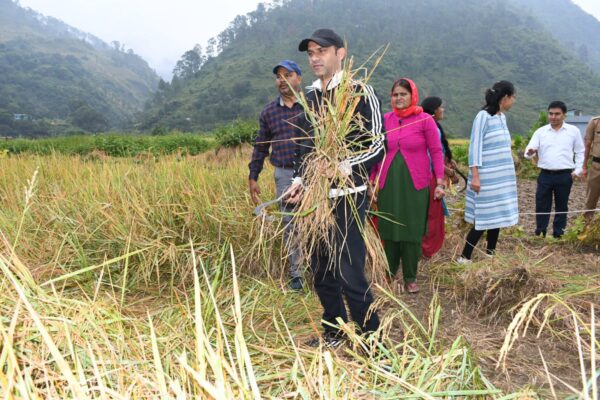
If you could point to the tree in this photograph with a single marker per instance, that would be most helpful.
(198, 49)
(541, 121)
(240, 89)
(210, 47)
(583, 53)
(89, 119)
(162, 85)
(224, 39)
(189, 64)
(118, 46)
(74, 105)
(176, 84)
(239, 25)
(6, 130)
(258, 15)
(6, 118)
(159, 130)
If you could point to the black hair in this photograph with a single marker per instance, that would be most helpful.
(495, 94)
(558, 104)
(404, 83)
(430, 104)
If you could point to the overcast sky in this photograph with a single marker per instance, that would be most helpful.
(160, 30)
(590, 6)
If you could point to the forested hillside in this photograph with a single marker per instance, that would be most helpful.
(57, 76)
(576, 30)
(451, 49)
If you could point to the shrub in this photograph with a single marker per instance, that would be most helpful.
(114, 145)
(236, 133)
(460, 153)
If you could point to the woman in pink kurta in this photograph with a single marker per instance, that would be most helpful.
(413, 145)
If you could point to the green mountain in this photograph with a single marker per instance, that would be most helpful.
(576, 30)
(451, 49)
(52, 71)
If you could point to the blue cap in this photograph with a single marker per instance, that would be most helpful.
(289, 65)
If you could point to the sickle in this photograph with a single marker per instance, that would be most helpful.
(259, 211)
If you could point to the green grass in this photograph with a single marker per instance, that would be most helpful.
(233, 134)
(114, 145)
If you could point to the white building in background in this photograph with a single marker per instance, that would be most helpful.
(21, 117)
(576, 117)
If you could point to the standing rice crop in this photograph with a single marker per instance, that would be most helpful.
(125, 280)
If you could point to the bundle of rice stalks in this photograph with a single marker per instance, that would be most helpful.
(332, 122)
(269, 251)
(494, 290)
(376, 268)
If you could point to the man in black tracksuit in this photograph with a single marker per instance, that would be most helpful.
(341, 274)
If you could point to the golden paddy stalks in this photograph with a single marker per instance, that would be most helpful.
(333, 121)
(124, 280)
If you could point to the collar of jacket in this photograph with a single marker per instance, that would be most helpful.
(333, 83)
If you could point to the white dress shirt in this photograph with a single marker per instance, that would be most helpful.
(555, 148)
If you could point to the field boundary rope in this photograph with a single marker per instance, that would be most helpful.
(544, 213)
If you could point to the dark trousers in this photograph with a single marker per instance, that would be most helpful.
(549, 185)
(473, 238)
(340, 272)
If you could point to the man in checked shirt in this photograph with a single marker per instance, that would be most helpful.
(278, 125)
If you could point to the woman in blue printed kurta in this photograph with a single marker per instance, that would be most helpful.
(492, 191)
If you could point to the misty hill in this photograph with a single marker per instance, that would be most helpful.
(451, 49)
(572, 27)
(51, 70)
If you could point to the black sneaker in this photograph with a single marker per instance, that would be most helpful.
(296, 284)
(540, 233)
(330, 340)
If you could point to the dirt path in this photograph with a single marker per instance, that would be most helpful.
(526, 191)
(485, 333)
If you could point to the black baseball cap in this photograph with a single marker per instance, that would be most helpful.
(323, 37)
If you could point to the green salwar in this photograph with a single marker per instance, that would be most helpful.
(404, 219)
(407, 252)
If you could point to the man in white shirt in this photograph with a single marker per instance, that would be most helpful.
(560, 149)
